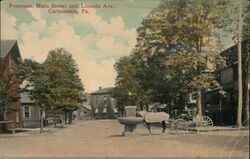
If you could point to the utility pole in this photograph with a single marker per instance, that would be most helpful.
(239, 113)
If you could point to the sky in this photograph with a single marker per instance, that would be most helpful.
(96, 40)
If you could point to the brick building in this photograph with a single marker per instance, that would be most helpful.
(103, 105)
(9, 56)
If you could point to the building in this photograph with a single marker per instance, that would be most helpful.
(221, 106)
(84, 110)
(9, 56)
(30, 115)
(103, 105)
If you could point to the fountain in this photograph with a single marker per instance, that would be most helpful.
(130, 121)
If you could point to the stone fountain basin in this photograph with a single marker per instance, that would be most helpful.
(130, 120)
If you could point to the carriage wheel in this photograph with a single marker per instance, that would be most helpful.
(206, 121)
(170, 121)
(173, 126)
(181, 124)
(178, 124)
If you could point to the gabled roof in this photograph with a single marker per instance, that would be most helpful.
(7, 46)
(87, 107)
(231, 53)
(107, 90)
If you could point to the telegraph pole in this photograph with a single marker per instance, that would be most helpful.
(239, 113)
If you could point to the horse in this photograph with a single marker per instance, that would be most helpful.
(155, 117)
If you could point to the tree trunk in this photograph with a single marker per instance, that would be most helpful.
(55, 120)
(2, 112)
(65, 116)
(91, 113)
(147, 107)
(2, 116)
(41, 121)
(239, 111)
(198, 103)
(122, 112)
(70, 117)
(141, 106)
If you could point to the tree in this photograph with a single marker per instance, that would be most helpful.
(9, 88)
(63, 81)
(8, 93)
(128, 91)
(179, 45)
(33, 74)
(54, 84)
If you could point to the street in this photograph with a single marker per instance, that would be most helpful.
(99, 138)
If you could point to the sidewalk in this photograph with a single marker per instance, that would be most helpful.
(22, 132)
(219, 128)
(210, 129)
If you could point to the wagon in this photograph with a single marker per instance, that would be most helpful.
(195, 123)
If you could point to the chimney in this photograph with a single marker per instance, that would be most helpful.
(100, 87)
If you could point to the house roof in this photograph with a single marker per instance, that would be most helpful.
(107, 90)
(7, 46)
(25, 98)
(230, 53)
(87, 107)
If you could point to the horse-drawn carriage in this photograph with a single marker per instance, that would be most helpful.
(189, 122)
(183, 122)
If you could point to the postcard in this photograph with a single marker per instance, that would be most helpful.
(124, 79)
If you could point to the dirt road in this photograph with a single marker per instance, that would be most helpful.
(101, 138)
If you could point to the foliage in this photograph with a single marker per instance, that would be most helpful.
(33, 74)
(9, 89)
(53, 84)
(63, 81)
(128, 91)
(230, 24)
(177, 49)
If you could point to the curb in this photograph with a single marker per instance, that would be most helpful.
(219, 129)
(31, 132)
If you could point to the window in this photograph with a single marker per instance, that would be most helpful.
(227, 76)
(26, 112)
